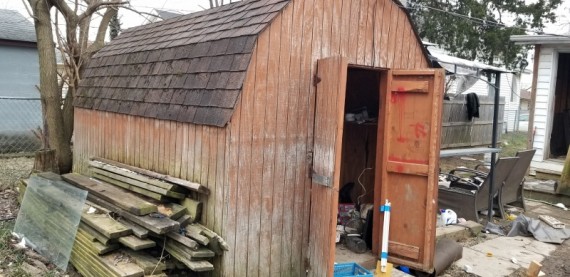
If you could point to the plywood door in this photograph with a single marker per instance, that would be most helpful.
(329, 120)
(410, 164)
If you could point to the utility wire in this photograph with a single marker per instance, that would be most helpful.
(481, 21)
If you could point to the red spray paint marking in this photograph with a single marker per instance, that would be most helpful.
(419, 129)
(403, 160)
(400, 168)
(399, 99)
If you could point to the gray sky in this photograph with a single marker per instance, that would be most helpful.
(131, 19)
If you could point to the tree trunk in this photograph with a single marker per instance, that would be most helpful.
(50, 93)
(564, 185)
(45, 161)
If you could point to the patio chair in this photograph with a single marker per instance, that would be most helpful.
(512, 190)
(471, 198)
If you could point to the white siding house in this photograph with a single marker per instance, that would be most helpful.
(545, 75)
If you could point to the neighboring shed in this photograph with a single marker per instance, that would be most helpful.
(549, 111)
(249, 99)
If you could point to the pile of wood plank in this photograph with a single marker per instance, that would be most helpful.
(139, 223)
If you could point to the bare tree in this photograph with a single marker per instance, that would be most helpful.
(77, 49)
(217, 3)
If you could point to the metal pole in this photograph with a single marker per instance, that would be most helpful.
(494, 143)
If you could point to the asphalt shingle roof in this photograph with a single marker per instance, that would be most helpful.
(190, 68)
(14, 26)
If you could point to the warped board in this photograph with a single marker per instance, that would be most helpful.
(183, 183)
(137, 183)
(136, 244)
(158, 225)
(107, 192)
(106, 225)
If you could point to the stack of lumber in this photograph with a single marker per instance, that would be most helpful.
(134, 218)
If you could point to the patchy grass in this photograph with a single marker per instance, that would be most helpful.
(11, 259)
(513, 142)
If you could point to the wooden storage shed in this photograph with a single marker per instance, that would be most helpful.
(249, 99)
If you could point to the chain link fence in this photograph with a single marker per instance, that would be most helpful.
(19, 119)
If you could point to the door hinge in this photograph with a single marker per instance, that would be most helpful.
(316, 80)
(320, 179)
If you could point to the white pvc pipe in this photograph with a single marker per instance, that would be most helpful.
(385, 232)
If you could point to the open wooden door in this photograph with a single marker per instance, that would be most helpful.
(409, 171)
(329, 123)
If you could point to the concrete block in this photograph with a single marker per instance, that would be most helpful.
(474, 227)
(459, 232)
(452, 232)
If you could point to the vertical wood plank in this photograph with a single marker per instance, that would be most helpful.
(317, 29)
(306, 92)
(198, 155)
(345, 43)
(405, 44)
(361, 43)
(155, 145)
(212, 140)
(222, 200)
(179, 149)
(190, 164)
(231, 206)
(386, 29)
(336, 21)
(221, 178)
(204, 160)
(257, 153)
(377, 33)
(326, 36)
(399, 36)
(167, 143)
(412, 51)
(369, 46)
(391, 34)
(354, 26)
(288, 247)
(269, 141)
(244, 163)
(184, 153)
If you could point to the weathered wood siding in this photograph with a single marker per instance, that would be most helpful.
(271, 132)
(257, 167)
(183, 150)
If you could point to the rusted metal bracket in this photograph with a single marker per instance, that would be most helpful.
(320, 179)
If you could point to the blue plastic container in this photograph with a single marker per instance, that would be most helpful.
(351, 269)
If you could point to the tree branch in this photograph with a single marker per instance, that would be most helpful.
(93, 7)
(28, 9)
(102, 30)
(67, 12)
(139, 12)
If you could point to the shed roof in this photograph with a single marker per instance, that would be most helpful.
(540, 39)
(14, 26)
(190, 68)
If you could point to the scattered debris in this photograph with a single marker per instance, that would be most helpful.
(525, 226)
(534, 269)
(553, 222)
(561, 206)
(21, 244)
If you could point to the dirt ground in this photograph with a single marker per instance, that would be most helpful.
(15, 262)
